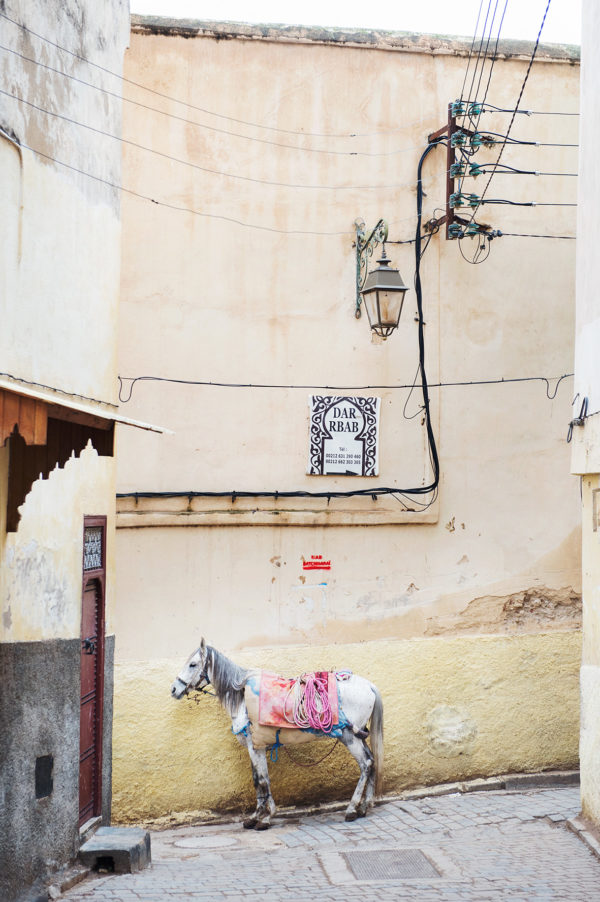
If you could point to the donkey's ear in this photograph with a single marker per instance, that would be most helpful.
(202, 644)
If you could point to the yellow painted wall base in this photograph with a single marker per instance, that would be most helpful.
(454, 708)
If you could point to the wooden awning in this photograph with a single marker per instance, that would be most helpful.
(29, 414)
(28, 408)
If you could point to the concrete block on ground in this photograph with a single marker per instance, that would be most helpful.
(545, 778)
(123, 850)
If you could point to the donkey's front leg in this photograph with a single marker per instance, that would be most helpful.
(265, 805)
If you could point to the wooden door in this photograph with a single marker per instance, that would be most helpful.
(92, 669)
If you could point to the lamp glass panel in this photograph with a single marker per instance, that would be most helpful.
(390, 305)
(370, 301)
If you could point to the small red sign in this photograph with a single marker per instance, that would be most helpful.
(316, 562)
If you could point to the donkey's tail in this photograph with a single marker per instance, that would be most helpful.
(376, 740)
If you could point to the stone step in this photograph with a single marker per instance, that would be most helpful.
(122, 850)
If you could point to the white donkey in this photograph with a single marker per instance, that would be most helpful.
(236, 688)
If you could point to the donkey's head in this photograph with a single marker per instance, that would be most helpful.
(193, 675)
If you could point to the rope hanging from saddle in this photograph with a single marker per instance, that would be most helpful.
(308, 703)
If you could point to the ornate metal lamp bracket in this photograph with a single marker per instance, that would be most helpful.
(364, 251)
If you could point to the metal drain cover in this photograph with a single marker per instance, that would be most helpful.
(391, 864)
(205, 842)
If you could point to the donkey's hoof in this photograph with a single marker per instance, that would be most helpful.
(250, 823)
(262, 825)
(351, 815)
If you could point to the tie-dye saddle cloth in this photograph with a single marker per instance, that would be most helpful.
(309, 701)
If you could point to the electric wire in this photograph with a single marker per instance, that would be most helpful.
(232, 220)
(206, 169)
(479, 255)
(194, 165)
(507, 136)
(183, 119)
(496, 109)
(299, 132)
(374, 492)
(337, 153)
(518, 203)
(462, 91)
(133, 380)
(489, 6)
(172, 99)
(494, 58)
(511, 170)
(190, 210)
(506, 139)
(487, 46)
(526, 235)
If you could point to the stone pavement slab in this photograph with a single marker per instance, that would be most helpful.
(476, 847)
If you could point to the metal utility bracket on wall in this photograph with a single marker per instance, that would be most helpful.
(364, 251)
(450, 218)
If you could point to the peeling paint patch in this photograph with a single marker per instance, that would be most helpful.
(529, 610)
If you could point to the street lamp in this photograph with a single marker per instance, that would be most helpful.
(382, 289)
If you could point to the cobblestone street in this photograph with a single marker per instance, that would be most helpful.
(476, 846)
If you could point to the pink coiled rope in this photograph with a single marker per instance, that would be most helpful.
(311, 706)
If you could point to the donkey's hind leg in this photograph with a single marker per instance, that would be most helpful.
(369, 793)
(364, 788)
(265, 805)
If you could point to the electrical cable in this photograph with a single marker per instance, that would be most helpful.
(511, 141)
(398, 494)
(478, 256)
(487, 47)
(209, 384)
(175, 207)
(506, 137)
(376, 491)
(193, 165)
(517, 203)
(489, 6)
(337, 153)
(494, 58)
(433, 454)
(185, 103)
(496, 109)
(523, 235)
(511, 170)
(206, 169)
(462, 91)
(153, 109)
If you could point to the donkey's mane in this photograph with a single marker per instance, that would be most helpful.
(228, 679)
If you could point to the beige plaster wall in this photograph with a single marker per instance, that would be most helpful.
(586, 439)
(59, 278)
(40, 577)
(590, 669)
(60, 235)
(207, 298)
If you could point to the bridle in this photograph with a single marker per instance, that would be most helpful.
(182, 688)
(203, 678)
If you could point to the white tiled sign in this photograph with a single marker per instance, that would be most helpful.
(344, 436)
